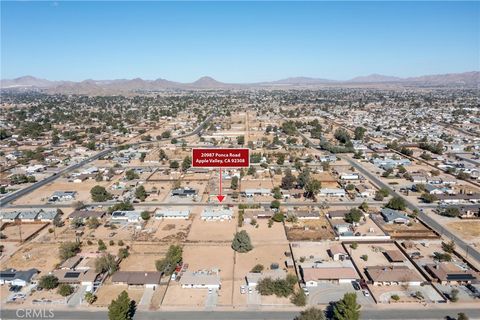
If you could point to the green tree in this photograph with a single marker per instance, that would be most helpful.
(131, 175)
(48, 282)
(275, 204)
(101, 245)
(174, 164)
(396, 203)
(65, 290)
(106, 263)
(299, 298)
(448, 247)
(171, 260)
(462, 316)
(454, 295)
(359, 133)
(241, 140)
(145, 215)
(277, 193)
(312, 187)
(90, 297)
(186, 163)
(354, 215)
(121, 308)
(257, 268)
(429, 198)
(241, 242)
(311, 313)
(288, 180)
(140, 193)
(347, 308)
(234, 183)
(123, 253)
(100, 194)
(68, 249)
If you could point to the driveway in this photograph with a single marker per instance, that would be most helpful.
(254, 298)
(329, 292)
(77, 297)
(146, 298)
(211, 300)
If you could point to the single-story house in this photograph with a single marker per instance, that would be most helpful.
(418, 178)
(147, 279)
(86, 214)
(387, 275)
(84, 277)
(47, 215)
(126, 216)
(62, 196)
(257, 192)
(343, 228)
(28, 215)
(169, 213)
(307, 214)
(184, 192)
(365, 191)
(457, 198)
(257, 213)
(450, 273)
(9, 216)
(394, 216)
(200, 280)
(216, 213)
(312, 277)
(337, 214)
(71, 263)
(349, 176)
(16, 277)
(332, 192)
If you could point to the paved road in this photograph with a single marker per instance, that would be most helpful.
(425, 218)
(20, 193)
(200, 204)
(420, 314)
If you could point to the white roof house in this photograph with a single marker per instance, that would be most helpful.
(260, 191)
(252, 278)
(126, 216)
(200, 280)
(47, 215)
(332, 192)
(217, 213)
(169, 213)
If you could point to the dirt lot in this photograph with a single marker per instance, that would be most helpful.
(468, 229)
(399, 231)
(41, 256)
(42, 194)
(20, 232)
(169, 230)
(143, 256)
(214, 231)
(315, 229)
(263, 234)
(108, 292)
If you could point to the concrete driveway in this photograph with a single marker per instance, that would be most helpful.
(77, 297)
(330, 292)
(146, 298)
(211, 300)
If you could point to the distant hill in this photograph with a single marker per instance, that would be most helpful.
(96, 87)
(375, 78)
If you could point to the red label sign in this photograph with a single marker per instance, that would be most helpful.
(214, 158)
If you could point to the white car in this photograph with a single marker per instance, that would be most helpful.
(366, 293)
(243, 289)
(250, 290)
(305, 290)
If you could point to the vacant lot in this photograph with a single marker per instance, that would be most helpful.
(469, 229)
(41, 256)
(212, 231)
(20, 232)
(314, 229)
(108, 292)
(264, 234)
(169, 230)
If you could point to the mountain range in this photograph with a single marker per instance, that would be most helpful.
(459, 80)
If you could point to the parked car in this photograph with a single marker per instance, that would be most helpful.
(366, 293)
(473, 289)
(250, 290)
(355, 285)
(243, 289)
(305, 290)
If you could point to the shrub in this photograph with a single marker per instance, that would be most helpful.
(65, 290)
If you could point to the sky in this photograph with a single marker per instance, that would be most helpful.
(237, 41)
